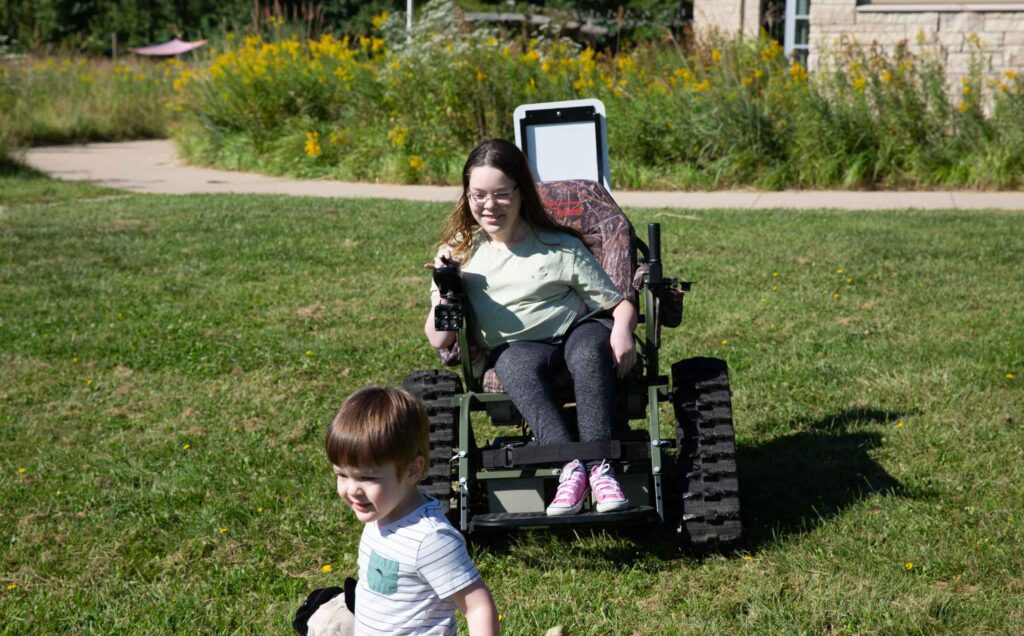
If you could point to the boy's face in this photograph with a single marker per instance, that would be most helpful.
(380, 493)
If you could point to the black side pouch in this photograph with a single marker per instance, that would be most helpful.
(313, 602)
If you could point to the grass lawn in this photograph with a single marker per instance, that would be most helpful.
(168, 365)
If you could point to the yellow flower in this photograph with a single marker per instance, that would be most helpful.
(899, 424)
(11, 587)
(775, 288)
(326, 568)
(859, 83)
(839, 271)
(531, 56)
(1010, 74)
(22, 471)
(624, 63)
(480, 75)
(313, 148)
(775, 274)
(716, 55)
(967, 89)
(223, 530)
(908, 566)
(416, 163)
(747, 557)
(259, 510)
(963, 107)
(836, 295)
(886, 77)
(186, 446)
(378, 20)
(309, 352)
(701, 86)
(1010, 376)
(797, 72)
(684, 74)
(725, 342)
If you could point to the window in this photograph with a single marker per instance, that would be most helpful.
(798, 30)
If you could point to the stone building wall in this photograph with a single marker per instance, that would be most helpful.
(999, 26)
(1000, 32)
(730, 17)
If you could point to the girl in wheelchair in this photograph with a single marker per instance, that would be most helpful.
(540, 303)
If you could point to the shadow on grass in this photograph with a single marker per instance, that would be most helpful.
(797, 482)
(788, 486)
(12, 168)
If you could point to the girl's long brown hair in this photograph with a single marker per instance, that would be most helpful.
(458, 230)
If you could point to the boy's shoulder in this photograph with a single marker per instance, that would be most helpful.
(420, 522)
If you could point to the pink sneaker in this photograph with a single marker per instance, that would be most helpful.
(572, 490)
(608, 495)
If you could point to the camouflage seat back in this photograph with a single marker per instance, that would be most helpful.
(588, 208)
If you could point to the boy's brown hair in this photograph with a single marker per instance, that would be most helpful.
(378, 425)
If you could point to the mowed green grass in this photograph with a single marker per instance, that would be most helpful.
(168, 366)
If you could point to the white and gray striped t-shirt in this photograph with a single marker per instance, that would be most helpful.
(408, 571)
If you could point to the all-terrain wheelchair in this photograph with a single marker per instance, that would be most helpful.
(688, 482)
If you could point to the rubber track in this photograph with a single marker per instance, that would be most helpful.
(710, 508)
(436, 387)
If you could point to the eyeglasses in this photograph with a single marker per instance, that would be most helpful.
(501, 198)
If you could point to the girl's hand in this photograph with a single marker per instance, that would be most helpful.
(443, 259)
(623, 344)
(623, 351)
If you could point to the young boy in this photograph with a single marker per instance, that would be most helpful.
(414, 570)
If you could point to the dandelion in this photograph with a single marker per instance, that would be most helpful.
(716, 55)
(908, 566)
(309, 353)
(531, 56)
(747, 557)
(260, 510)
(836, 295)
(899, 424)
(963, 107)
(88, 382)
(223, 530)
(1010, 376)
(186, 446)
(886, 77)
(312, 147)
(326, 568)
(849, 281)
(11, 587)
(74, 360)
(480, 75)
(725, 342)
(22, 471)
(775, 274)
(775, 288)
(416, 163)
(859, 83)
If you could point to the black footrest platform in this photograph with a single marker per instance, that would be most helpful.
(640, 514)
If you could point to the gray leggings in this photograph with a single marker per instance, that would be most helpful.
(526, 368)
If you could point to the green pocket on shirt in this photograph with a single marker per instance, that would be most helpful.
(382, 575)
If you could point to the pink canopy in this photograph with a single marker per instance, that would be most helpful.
(174, 47)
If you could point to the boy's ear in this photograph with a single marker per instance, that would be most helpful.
(416, 469)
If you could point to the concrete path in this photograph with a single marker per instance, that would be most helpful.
(153, 167)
